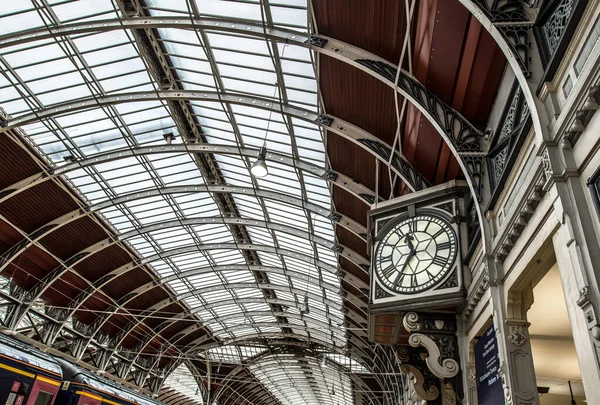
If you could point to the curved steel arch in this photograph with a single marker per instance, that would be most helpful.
(43, 231)
(329, 46)
(373, 357)
(26, 305)
(195, 248)
(77, 258)
(301, 341)
(85, 294)
(456, 130)
(256, 359)
(166, 324)
(36, 292)
(462, 138)
(360, 191)
(364, 139)
(122, 335)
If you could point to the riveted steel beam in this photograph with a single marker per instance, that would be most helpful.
(77, 258)
(328, 46)
(340, 180)
(43, 231)
(48, 280)
(352, 280)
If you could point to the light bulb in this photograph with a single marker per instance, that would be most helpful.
(259, 168)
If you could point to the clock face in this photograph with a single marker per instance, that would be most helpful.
(415, 254)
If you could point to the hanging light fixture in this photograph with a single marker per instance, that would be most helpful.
(324, 361)
(304, 309)
(259, 168)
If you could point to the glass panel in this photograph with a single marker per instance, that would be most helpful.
(241, 281)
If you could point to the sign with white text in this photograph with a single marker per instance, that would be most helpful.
(487, 363)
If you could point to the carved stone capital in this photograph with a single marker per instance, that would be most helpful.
(441, 368)
(516, 334)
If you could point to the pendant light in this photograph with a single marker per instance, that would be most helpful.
(304, 309)
(259, 168)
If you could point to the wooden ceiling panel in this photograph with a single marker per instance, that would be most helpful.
(348, 204)
(451, 22)
(14, 165)
(375, 25)
(35, 207)
(80, 234)
(29, 268)
(99, 264)
(350, 240)
(486, 73)
(357, 97)
(121, 285)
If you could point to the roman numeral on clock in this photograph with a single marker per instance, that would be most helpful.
(443, 245)
(438, 233)
(440, 261)
(388, 271)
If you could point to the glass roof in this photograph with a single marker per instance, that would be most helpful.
(235, 291)
(182, 380)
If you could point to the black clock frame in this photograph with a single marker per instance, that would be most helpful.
(390, 225)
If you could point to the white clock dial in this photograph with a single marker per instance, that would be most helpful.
(415, 254)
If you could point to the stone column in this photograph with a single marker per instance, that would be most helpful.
(470, 377)
(514, 349)
(577, 250)
(581, 315)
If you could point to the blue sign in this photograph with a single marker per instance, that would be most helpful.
(487, 363)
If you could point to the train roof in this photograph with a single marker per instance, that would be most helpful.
(24, 353)
(80, 375)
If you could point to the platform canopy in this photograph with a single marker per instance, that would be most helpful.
(132, 223)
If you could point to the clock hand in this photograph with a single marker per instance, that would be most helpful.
(408, 259)
(408, 240)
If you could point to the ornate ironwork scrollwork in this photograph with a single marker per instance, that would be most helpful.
(401, 165)
(459, 131)
(503, 10)
(510, 134)
(317, 41)
(517, 37)
(556, 24)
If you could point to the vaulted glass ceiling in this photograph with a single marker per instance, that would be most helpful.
(243, 281)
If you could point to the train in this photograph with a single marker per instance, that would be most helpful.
(29, 376)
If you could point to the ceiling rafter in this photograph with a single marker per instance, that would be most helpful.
(362, 192)
(152, 52)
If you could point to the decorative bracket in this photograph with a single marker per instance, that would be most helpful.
(433, 370)
(441, 368)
